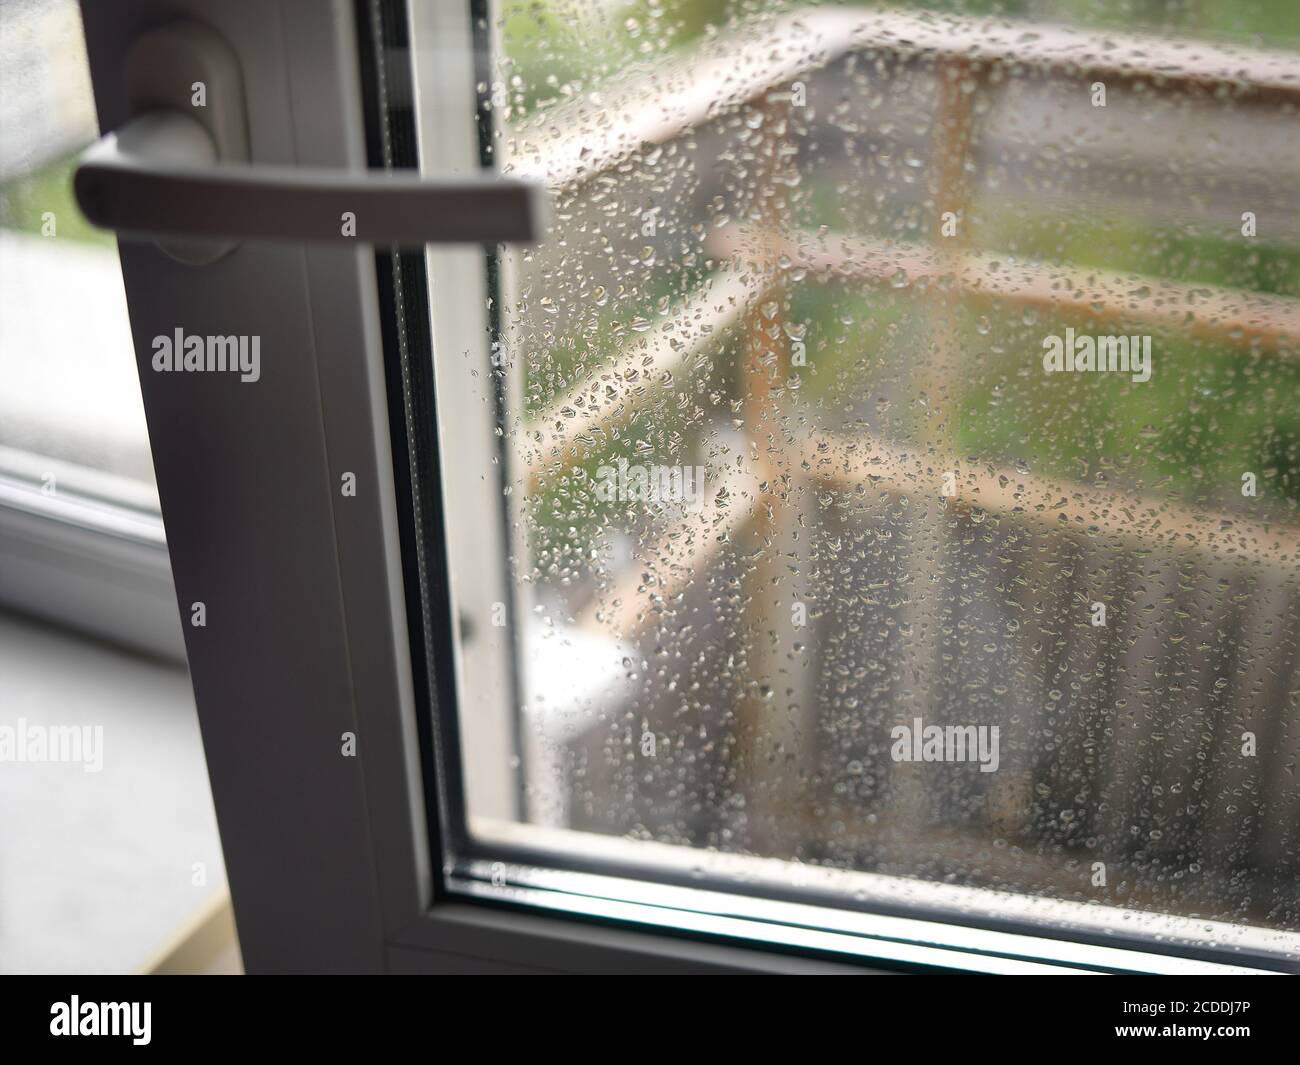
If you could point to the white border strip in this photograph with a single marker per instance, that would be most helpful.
(874, 889)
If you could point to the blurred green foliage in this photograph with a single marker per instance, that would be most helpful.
(25, 199)
(554, 46)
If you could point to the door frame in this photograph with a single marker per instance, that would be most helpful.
(315, 704)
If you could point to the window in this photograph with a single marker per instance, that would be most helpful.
(78, 402)
(81, 537)
(860, 531)
(896, 439)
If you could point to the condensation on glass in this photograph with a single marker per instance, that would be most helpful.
(901, 444)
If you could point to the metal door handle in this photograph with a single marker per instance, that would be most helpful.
(169, 174)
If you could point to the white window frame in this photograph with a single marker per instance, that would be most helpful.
(335, 863)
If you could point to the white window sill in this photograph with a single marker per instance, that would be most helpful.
(97, 870)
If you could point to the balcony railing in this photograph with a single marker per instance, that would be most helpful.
(1147, 551)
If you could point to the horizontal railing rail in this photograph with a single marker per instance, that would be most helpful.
(573, 142)
(1233, 317)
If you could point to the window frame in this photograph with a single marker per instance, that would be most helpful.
(80, 560)
(336, 863)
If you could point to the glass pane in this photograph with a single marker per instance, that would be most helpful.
(70, 410)
(901, 451)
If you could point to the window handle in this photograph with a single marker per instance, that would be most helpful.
(179, 174)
